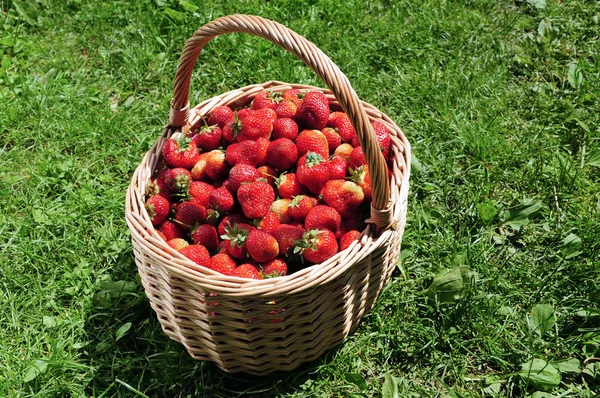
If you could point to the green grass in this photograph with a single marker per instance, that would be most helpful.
(499, 99)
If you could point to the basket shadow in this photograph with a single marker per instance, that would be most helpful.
(129, 353)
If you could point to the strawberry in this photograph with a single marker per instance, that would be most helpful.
(229, 220)
(333, 138)
(282, 154)
(199, 170)
(266, 99)
(223, 263)
(230, 130)
(248, 271)
(262, 148)
(321, 216)
(235, 236)
(286, 109)
(180, 152)
(288, 186)
(268, 223)
(244, 112)
(313, 172)
(268, 173)
(300, 206)
(158, 209)
(212, 217)
(312, 141)
(171, 230)
(208, 137)
(201, 191)
(294, 95)
(221, 115)
(216, 167)
(162, 236)
(338, 167)
(242, 152)
(161, 169)
(222, 248)
(285, 128)
(222, 200)
(205, 235)
(262, 246)
(188, 214)
(255, 198)
(314, 110)
(344, 150)
(253, 126)
(357, 158)
(317, 245)
(198, 254)
(347, 239)
(274, 268)
(267, 113)
(158, 187)
(360, 176)
(342, 124)
(281, 208)
(177, 243)
(177, 180)
(286, 236)
(343, 196)
(241, 173)
(383, 137)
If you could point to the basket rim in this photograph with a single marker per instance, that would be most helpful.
(316, 274)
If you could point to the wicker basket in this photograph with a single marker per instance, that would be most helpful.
(262, 326)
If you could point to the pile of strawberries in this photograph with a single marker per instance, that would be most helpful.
(265, 190)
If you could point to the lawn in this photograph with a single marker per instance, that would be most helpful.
(499, 99)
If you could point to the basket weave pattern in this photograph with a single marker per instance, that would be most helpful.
(261, 326)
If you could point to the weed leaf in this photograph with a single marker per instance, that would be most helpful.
(357, 380)
(539, 4)
(48, 321)
(486, 210)
(540, 374)
(571, 246)
(571, 365)
(35, 369)
(574, 76)
(519, 217)
(594, 159)
(122, 330)
(390, 387)
(542, 319)
(452, 284)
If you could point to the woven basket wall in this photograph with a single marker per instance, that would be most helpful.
(262, 326)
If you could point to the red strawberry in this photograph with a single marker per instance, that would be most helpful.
(286, 109)
(177, 243)
(288, 186)
(255, 198)
(163, 236)
(216, 167)
(222, 248)
(242, 152)
(223, 263)
(158, 209)
(235, 236)
(312, 141)
(177, 180)
(347, 239)
(267, 114)
(333, 138)
(172, 230)
(342, 124)
(201, 191)
(287, 236)
(317, 245)
(383, 137)
(313, 172)
(314, 110)
(208, 137)
(338, 167)
(230, 131)
(281, 208)
(242, 173)
(221, 115)
(266, 99)
(300, 206)
(199, 170)
(244, 112)
(247, 271)
(253, 127)
(188, 214)
(360, 176)
(293, 95)
(274, 268)
(262, 246)
(344, 150)
(262, 147)
(282, 154)
(158, 187)
(269, 223)
(343, 196)
(323, 217)
(181, 152)
(285, 128)
(198, 254)
(268, 173)
(222, 200)
(229, 220)
(205, 235)
(357, 158)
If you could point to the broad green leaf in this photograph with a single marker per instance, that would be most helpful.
(27, 10)
(571, 246)
(103, 346)
(35, 369)
(540, 394)
(7, 41)
(129, 101)
(540, 374)
(519, 217)
(122, 330)
(390, 387)
(588, 312)
(592, 370)
(48, 321)
(117, 289)
(452, 284)
(571, 365)
(191, 7)
(539, 4)
(486, 210)
(542, 319)
(176, 16)
(594, 159)
(574, 76)
(416, 164)
(357, 380)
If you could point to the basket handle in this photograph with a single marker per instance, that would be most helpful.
(321, 64)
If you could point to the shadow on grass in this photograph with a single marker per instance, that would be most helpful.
(130, 355)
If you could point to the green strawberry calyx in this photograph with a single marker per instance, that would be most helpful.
(235, 234)
(313, 159)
